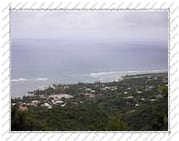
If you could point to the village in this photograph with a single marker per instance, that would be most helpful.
(133, 89)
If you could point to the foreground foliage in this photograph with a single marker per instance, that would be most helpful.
(109, 112)
(91, 116)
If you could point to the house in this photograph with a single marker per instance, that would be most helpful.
(58, 102)
(152, 100)
(150, 87)
(90, 95)
(23, 107)
(137, 105)
(143, 99)
(139, 92)
(32, 104)
(93, 91)
(66, 87)
(88, 89)
(13, 104)
(130, 97)
(113, 88)
(47, 105)
(63, 105)
(60, 96)
(35, 101)
(106, 88)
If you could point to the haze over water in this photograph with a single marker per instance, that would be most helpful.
(61, 47)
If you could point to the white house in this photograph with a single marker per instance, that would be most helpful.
(47, 105)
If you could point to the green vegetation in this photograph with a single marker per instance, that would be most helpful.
(133, 104)
(163, 90)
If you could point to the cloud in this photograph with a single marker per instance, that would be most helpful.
(112, 26)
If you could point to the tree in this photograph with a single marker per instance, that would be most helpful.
(116, 124)
(163, 90)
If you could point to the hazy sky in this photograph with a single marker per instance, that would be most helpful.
(113, 26)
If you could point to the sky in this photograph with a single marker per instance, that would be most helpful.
(114, 26)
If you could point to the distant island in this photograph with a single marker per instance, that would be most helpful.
(134, 103)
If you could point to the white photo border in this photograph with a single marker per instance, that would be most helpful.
(7, 134)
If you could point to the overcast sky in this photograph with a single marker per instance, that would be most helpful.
(113, 26)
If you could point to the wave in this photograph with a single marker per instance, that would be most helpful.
(102, 74)
(114, 75)
(124, 72)
(145, 71)
(106, 76)
(25, 79)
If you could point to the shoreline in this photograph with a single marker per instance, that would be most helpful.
(119, 78)
(93, 75)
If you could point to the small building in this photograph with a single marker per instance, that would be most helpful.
(88, 89)
(23, 107)
(139, 92)
(35, 101)
(152, 100)
(150, 87)
(90, 95)
(66, 87)
(137, 105)
(146, 89)
(63, 105)
(32, 104)
(93, 91)
(155, 77)
(58, 102)
(143, 99)
(60, 96)
(47, 105)
(130, 97)
(13, 104)
(113, 88)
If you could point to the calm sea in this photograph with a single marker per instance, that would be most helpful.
(39, 63)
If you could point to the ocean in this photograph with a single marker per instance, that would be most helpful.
(38, 63)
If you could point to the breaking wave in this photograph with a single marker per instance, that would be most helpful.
(25, 79)
(114, 75)
(106, 76)
(102, 74)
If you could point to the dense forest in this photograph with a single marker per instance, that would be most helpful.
(110, 111)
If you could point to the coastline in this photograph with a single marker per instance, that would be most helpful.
(103, 77)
